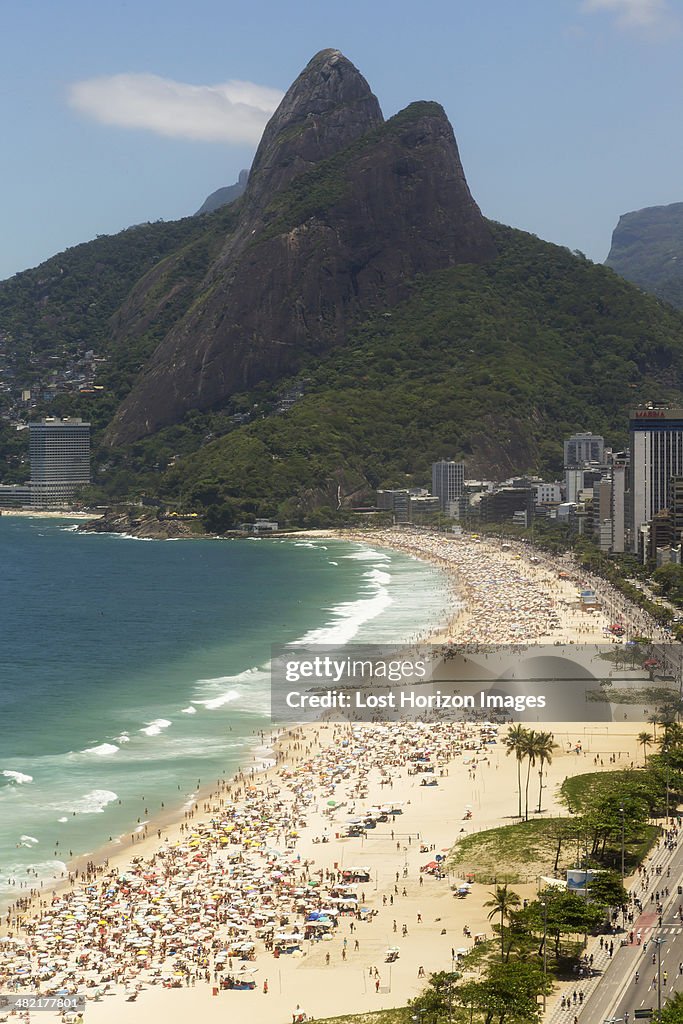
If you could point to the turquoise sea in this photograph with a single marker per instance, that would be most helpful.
(134, 671)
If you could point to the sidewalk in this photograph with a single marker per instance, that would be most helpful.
(642, 927)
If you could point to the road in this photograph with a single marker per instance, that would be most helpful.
(618, 992)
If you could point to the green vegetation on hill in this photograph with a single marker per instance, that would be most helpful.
(647, 249)
(494, 363)
(68, 301)
(71, 303)
(313, 193)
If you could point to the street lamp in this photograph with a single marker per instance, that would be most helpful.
(450, 988)
(545, 951)
(659, 943)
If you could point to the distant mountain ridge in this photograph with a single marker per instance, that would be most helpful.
(224, 196)
(647, 249)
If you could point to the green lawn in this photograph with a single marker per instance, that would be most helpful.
(528, 850)
(579, 792)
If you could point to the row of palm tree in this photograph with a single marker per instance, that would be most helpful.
(671, 738)
(533, 747)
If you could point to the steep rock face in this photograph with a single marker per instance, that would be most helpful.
(328, 107)
(341, 212)
(647, 249)
(224, 196)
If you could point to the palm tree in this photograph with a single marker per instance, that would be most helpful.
(529, 751)
(672, 736)
(514, 741)
(545, 745)
(654, 719)
(503, 902)
(645, 740)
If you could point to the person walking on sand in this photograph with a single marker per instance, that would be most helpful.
(376, 984)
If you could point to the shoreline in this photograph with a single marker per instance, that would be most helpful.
(295, 739)
(38, 514)
(417, 545)
(168, 820)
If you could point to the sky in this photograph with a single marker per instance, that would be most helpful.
(567, 112)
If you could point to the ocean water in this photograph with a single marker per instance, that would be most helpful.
(133, 671)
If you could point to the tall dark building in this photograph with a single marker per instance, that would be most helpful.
(502, 504)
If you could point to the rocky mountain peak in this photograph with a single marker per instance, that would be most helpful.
(341, 213)
(326, 108)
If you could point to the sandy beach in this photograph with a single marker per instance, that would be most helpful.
(261, 864)
(45, 514)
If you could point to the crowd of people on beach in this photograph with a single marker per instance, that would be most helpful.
(234, 889)
(510, 592)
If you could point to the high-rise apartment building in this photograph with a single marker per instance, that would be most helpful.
(582, 449)
(59, 451)
(396, 501)
(448, 482)
(620, 503)
(656, 457)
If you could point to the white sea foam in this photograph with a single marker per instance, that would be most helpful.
(189, 711)
(45, 869)
(17, 777)
(69, 529)
(351, 615)
(155, 727)
(242, 677)
(129, 536)
(218, 702)
(123, 738)
(93, 802)
(251, 688)
(333, 563)
(368, 555)
(28, 839)
(377, 576)
(102, 750)
(62, 819)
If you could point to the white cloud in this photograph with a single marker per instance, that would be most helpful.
(229, 112)
(634, 14)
